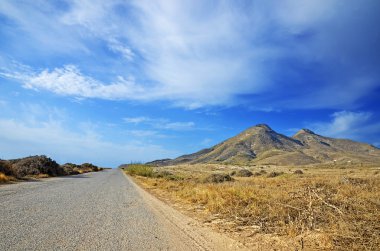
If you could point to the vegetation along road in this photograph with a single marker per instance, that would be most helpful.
(96, 211)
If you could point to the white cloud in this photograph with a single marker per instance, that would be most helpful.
(189, 54)
(145, 134)
(136, 120)
(69, 81)
(345, 121)
(161, 123)
(118, 47)
(197, 53)
(88, 13)
(351, 125)
(38, 23)
(176, 125)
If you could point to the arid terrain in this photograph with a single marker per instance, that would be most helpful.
(273, 207)
(259, 190)
(184, 125)
(271, 191)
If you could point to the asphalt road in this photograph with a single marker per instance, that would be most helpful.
(94, 211)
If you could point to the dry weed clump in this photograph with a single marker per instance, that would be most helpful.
(4, 178)
(274, 174)
(6, 168)
(217, 178)
(244, 173)
(298, 171)
(344, 212)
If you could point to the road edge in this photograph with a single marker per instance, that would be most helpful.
(203, 237)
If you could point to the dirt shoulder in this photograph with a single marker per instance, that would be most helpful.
(184, 228)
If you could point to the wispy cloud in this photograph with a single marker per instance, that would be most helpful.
(39, 24)
(161, 123)
(348, 124)
(176, 125)
(146, 134)
(118, 47)
(137, 120)
(70, 81)
(202, 53)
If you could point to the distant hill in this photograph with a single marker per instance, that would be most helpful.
(262, 145)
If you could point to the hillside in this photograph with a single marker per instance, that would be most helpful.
(262, 145)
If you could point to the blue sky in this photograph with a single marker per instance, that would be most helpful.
(115, 81)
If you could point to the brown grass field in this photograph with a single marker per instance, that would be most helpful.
(328, 208)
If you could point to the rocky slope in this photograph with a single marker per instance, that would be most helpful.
(262, 145)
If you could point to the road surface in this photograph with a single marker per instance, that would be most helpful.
(95, 211)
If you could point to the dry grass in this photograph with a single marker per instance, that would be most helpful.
(139, 169)
(42, 176)
(325, 209)
(4, 178)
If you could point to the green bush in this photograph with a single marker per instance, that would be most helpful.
(140, 170)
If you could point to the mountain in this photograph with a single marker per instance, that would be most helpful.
(262, 145)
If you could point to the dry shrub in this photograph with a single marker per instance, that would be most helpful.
(73, 169)
(4, 178)
(274, 174)
(89, 167)
(6, 168)
(217, 178)
(244, 173)
(344, 215)
(41, 166)
(163, 174)
(298, 172)
(36, 165)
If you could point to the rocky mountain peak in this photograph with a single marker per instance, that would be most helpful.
(304, 131)
(261, 144)
(263, 126)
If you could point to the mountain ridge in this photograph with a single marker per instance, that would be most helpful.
(260, 144)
